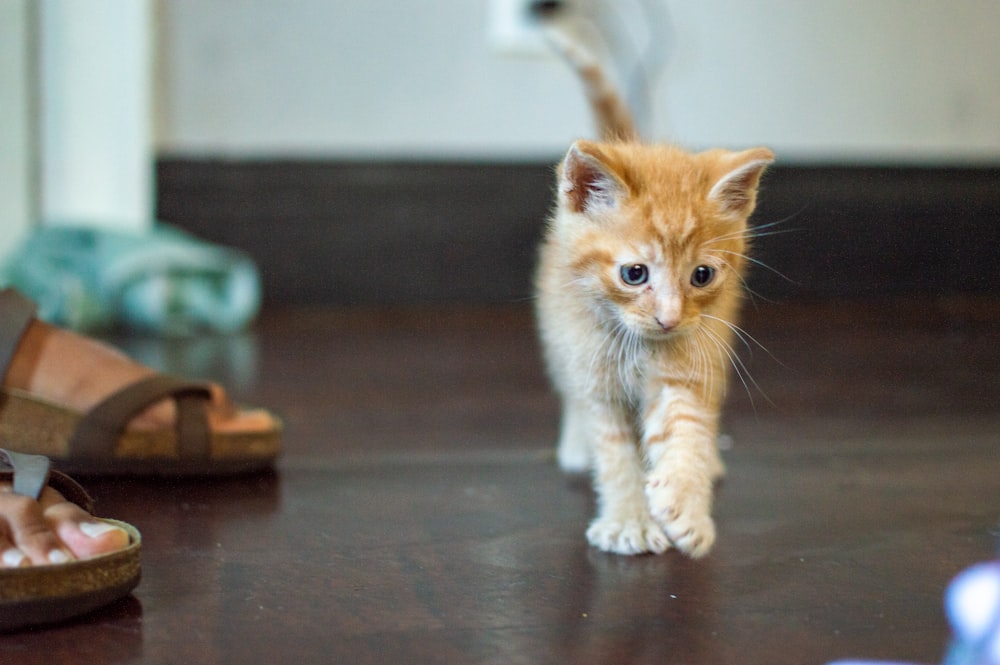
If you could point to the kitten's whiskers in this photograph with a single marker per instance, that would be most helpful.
(744, 337)
(701, 367)
(751, 233)
(746, 286)
(757, 262)
(621, 349)
(739, 367)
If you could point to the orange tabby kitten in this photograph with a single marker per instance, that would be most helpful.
(638, 285)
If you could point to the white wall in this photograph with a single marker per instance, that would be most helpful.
(817, 80)
(17, 164)
(75, 120)
(95, 66)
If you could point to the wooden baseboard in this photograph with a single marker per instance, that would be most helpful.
(386, 232)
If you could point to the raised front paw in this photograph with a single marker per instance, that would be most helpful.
(684, 512)
(627, 536)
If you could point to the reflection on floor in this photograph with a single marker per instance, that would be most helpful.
(418, 516)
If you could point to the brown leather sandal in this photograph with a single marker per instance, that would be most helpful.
(99, 443)
(36, 595)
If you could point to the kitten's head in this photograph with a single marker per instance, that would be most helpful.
(654, 236)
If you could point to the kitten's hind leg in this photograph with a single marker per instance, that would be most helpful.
(575, 451)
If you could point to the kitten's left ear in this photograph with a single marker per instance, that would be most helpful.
(587, 183)
(736, 191)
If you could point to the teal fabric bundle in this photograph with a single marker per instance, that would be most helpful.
(162, 281)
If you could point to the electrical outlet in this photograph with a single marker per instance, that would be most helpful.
(514, 30)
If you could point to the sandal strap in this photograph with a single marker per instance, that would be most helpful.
(31, 473)
(98, 432)
(16, 314)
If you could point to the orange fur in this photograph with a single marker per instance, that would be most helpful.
(571, 32)
(642, 367)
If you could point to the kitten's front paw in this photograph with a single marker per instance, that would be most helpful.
(684, 513)
(630, 536)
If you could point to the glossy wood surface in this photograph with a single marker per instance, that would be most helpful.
(417, 515)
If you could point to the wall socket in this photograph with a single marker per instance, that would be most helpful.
(514, 31)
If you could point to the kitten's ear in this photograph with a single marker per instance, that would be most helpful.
(586, 182)
(736, 191)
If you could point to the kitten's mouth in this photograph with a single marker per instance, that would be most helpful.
(661, 333)
(667, 326)
(658, 331)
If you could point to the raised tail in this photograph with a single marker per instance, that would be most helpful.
(584, 33)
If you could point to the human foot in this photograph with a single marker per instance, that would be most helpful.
(79, 372)
(93, 410)
(45, 516)
(57, 560)
(51, 530)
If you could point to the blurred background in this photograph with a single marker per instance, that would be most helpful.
(871, 81)
(381, 151)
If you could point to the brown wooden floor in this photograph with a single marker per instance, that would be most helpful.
(418, 516)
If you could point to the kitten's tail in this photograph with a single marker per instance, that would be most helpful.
(582, 35)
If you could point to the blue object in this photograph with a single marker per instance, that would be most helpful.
(973, 606)
(162, 281)
(972, 603)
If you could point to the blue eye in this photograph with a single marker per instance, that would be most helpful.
(702, 276)
(635, 274)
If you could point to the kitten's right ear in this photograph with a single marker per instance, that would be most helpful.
(736, 191)
(586, 184)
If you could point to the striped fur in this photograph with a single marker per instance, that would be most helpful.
(642, 368)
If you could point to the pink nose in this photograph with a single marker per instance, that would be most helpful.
(667, 324)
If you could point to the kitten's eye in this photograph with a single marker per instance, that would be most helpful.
(635, 274)
(702, 276)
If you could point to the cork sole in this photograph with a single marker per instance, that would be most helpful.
(37, 595)
(43, 428)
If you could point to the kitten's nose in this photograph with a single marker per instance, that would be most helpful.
(668, 312)
(667, 324)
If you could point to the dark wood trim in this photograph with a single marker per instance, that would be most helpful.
(391, 232)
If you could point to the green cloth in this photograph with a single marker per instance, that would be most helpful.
(162, 281)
